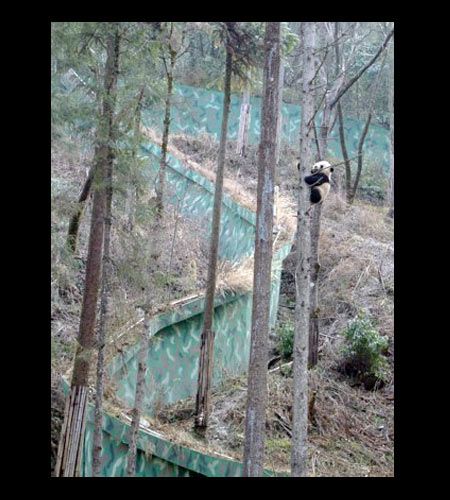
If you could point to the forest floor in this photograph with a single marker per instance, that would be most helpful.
(351, 429)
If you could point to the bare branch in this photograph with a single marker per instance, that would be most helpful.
(362, 70)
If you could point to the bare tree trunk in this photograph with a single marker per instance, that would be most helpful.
(302, 272)
(104, 315)
(244, 123)
(71, 440)
(391, 130)
(362, 139)
(207, 337)
(314, 287)
(280, 113)
(255, 421)
(160, 191)
(348, 170)
(139, 396)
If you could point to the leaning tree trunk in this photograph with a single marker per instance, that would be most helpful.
(255, 421)
(302, 272)
(207, 337)
(139, 396)
(71, 440)
(104, 313)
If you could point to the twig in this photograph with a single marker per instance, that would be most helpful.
(284, 424)
(281, 366)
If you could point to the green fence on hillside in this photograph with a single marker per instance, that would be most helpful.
(199, 111)
(175, 342)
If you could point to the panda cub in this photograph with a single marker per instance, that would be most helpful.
(319, 181)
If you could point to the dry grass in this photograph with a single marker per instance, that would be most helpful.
(241, 190)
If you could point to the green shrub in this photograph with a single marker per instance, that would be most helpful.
(363, 351)
(286, 340)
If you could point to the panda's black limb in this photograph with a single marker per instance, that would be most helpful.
(316, 196)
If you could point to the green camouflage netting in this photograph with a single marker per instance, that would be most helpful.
(198, 111)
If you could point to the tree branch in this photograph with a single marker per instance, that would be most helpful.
(362, 70)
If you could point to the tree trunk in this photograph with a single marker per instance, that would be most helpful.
(352, 192)
(134, 189)
(255, 421)
(302, 272)
(207, 337)
(71, 440)
(244, 123)
(360, 158)
(280, 114)
(160, 191)
(313, 350)
(104, 315)
(139, 397)
(74, 223)
(391, 130)
(348, 170)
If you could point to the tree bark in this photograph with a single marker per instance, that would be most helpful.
(280, 114)
(74, 223)
(391, 133)
(313, 349)
(244, 123)
(104, 316)
(362, 139)
(207, 337)
(302, 272)
(255, 421)
(160, 190)
(71, 440)
(139, 397)
(348, 170)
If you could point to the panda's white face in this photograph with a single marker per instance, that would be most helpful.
(320, 165)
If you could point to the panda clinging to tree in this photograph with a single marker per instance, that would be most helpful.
(319, 181)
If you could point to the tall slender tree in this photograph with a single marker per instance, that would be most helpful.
(172, 49)
(242, 51)
(207, 336)
(391, 132)
(302, 272)
(104, 312)
(72, 434)
(255, 420)
(139, 393)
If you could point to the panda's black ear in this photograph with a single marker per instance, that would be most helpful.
(331, 169)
